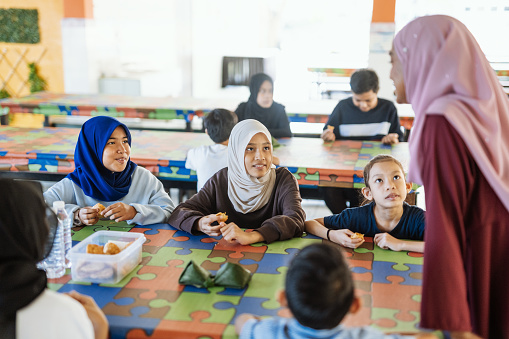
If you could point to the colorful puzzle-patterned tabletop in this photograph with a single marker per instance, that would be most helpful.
(166, 108)
(149, 302)
(312, 161)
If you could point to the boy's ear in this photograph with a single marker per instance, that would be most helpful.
(356, 305)
(206, 131)
(366, 192)
(281, 297)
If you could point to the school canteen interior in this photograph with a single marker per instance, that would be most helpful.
(206, 50)
(200, 55)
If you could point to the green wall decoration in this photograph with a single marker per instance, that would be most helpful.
(4, 94)
(19, 26)
(37, 83)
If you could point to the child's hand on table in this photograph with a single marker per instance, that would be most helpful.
(233, 233)
(328, 135)
(88, 215)
(390, 139)
(343, 237)
(387, 241)
(205, 225)
(119, 212)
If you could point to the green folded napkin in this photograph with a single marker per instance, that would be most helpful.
(229, 275)
(196, 275)
(232, 275)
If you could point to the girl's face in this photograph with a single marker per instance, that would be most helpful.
(258, 156)
(265, 95)
(397, 77)
(387, 185)
(117, 151)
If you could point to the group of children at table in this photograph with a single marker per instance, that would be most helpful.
(262, 202)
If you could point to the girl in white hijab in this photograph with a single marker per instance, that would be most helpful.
(250, 191)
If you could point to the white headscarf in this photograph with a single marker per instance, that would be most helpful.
(247, 193)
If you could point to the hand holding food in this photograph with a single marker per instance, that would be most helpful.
(346, 238)
(119, 212)
(101, 208)
(222, 217)
(357, 236)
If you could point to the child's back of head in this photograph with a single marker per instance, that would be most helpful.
(219, 124)
(319, 286)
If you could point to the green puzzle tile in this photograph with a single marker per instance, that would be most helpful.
(263, 285)
(169, 253)
(390, 314)
(380, 254)
(103, 225)
(279, 247)
(111, 112)
(189, 302)
(229, 333)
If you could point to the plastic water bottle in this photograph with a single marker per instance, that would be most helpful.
(54, 264)
(66, 221)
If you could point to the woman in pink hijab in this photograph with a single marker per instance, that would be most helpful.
(459, 150)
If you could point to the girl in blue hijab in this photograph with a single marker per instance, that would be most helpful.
(105, 174)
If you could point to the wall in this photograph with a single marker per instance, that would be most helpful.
(48, 52)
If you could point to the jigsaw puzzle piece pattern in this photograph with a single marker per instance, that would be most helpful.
(183, 329)
(155, 278)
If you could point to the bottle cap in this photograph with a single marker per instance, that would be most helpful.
(58, 204)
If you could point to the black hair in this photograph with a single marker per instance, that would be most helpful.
(219, 124)
(363, 80)
(319, 286)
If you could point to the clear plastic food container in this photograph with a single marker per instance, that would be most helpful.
(106, 268)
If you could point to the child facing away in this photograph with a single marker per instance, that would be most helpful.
(28, 309)
(105, 174)
(251, 191)
(206, 160)
(387, 218)
(262, 107)
(319, 292)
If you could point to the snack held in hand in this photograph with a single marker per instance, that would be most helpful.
(357, 235)
(222, 217)
(101, 208)
(330, 128)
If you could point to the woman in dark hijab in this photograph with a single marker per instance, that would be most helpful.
(262, 107)
(27, 308)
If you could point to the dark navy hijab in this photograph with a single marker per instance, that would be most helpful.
(273, 117)
(90, 175)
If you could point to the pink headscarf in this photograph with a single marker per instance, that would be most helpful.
(446, 73)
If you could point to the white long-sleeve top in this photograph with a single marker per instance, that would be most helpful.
(146, 195)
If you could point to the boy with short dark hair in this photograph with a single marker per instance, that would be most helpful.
(207, 160)
(319, 293)
(363, 116)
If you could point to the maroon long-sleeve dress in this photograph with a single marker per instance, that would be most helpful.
(466, 270)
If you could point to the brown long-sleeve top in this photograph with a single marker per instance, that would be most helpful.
(281, 218)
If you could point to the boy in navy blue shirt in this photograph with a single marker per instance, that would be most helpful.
(388, 218)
